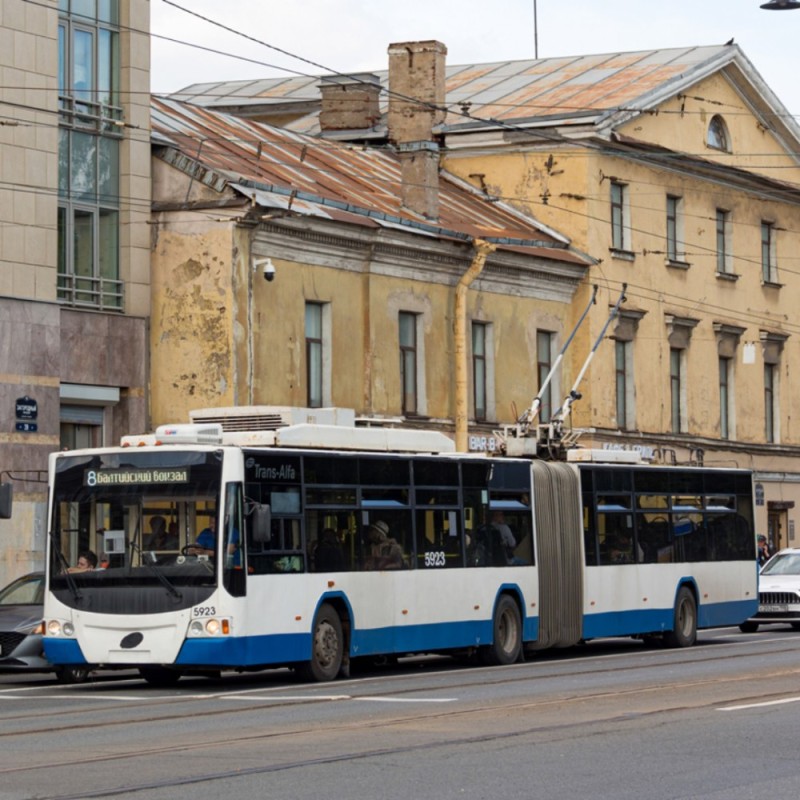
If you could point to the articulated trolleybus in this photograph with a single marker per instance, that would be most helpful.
(226, 545)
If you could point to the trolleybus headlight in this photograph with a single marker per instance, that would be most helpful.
(212, 626)
(54, 628)
(69, 629)
(196, 628)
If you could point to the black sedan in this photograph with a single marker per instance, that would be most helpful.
(21, 629)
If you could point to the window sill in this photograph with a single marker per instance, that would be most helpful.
(728, 276)
(771, 285)
(624, 255)
(673, 264)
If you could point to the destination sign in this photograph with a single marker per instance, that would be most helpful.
(131, 476)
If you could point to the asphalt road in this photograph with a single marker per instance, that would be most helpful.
(611, 719)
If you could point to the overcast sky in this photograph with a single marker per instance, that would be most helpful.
(353, 35)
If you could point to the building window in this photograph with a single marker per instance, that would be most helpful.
(79, 434)
(675, 252)
(717, 136)
(725, 396)
(620, 217)
(314, 355)
(769, 267)
(83, 414)
(770, 398)
(676, 383)
(724, 259)
(544, 363)
(88, 155)
(623, 354)
(408, 362)
(479, 371)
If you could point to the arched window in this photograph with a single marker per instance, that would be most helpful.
(717, 136)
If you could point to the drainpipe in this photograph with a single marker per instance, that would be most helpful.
(482, 249)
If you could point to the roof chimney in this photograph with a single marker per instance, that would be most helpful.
(349, 102)
(416, 104)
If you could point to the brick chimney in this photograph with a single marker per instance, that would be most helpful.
(416, 103)
(350, 102)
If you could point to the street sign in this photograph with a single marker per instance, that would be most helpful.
(27, 408)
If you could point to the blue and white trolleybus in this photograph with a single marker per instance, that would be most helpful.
(323, 543)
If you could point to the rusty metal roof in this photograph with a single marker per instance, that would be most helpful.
(578, 88)
(286, 170)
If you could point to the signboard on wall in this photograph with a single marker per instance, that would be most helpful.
(26, 410)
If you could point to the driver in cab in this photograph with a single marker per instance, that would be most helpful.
(206, 543)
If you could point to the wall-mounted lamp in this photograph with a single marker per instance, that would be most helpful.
(267, 267)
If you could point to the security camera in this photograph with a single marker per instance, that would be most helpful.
(267, 268)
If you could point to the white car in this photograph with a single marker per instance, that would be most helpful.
(778, 592)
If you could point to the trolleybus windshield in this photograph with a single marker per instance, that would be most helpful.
(139, 513)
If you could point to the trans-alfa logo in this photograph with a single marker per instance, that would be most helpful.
(282, 472)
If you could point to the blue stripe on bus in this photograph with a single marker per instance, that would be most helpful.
(63, 651)
(287, 648)
(628, 623)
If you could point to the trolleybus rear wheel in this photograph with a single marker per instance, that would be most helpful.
(327, 647)
(507, 629)
(684, 631)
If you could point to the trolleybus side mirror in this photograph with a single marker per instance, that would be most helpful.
(262, 522)
(5, 500)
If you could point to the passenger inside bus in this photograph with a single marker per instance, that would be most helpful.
(507, 540)
(384, 552)
(161, 537)
(87, 561)
(327, 555)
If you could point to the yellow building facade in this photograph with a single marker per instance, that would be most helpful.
(362, 307)
(691, 203)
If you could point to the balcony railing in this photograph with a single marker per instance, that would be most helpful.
(102, 294)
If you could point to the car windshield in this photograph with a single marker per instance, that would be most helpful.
(23, 591)
(783, 564)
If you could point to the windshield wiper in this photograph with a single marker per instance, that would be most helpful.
(71, 583)
(162, 579)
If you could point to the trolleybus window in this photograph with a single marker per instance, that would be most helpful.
(677, 516)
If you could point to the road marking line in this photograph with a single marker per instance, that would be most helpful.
(83, 698)
(285, 697)
(762, 705)
(407, 699)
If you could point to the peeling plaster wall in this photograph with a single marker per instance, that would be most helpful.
(192, 341)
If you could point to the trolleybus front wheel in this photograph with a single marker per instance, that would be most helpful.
(327, 647)
(684, 631)
(748, 627)
(507, 629)
(163, 677)
(72, 674)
